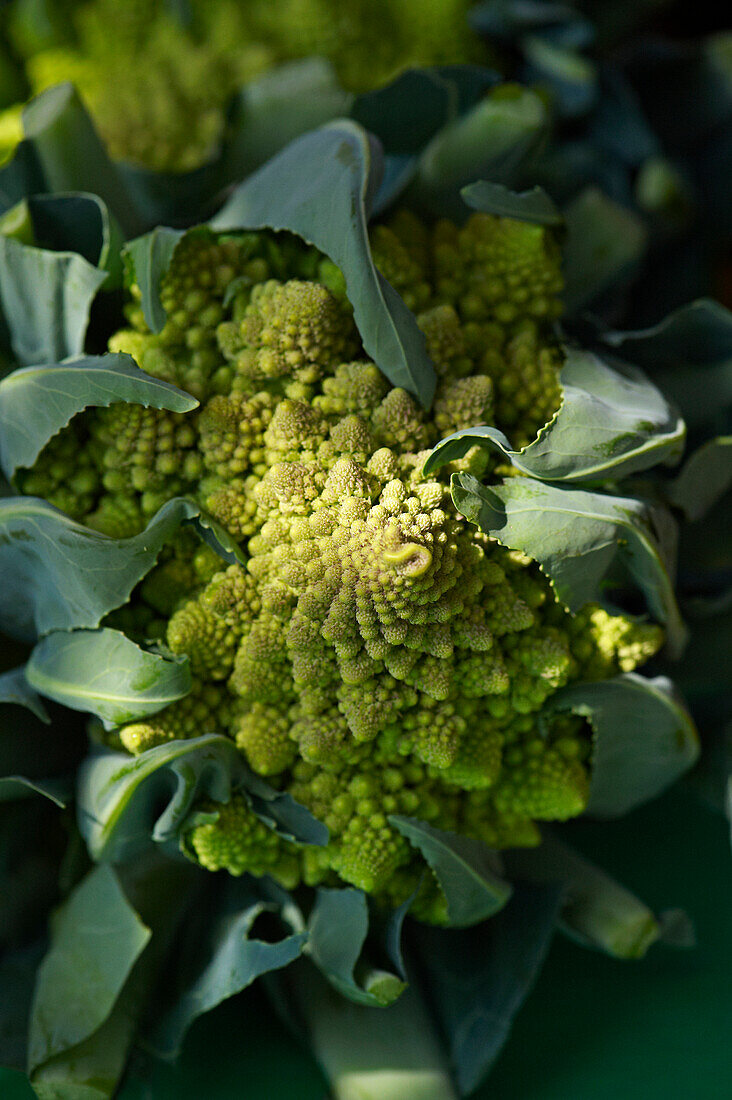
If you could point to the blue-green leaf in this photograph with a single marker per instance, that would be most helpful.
(217, 537)
(596, 910)
(73, 222)
(71, 155)
(337, 931)
(282, 813)
(705, 478)
(102, 672)
(604, 243)
(33, 759)
(478, 978)
(572, 79)
(336, 171)
(100, 1001)
(465, 869)
(229, 958)
(45, 298)
(17, 978)
(689, 353)
(699, 333)
(125, 802)
(14, 688)
(37, 402)
(21, 175)
(644, 738)
(578, 539)
(150, 257)
(278, 106)
(407, 113)
(97, 938)
(491, 141)
(532, 206)
(47, 560)
(612, 422)
(13, 787)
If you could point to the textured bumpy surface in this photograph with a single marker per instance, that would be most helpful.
(157, 87)
(377, 655)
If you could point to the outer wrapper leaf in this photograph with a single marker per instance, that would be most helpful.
(465, 869)
(407, 113)
(227, 957)
(577, 538)
(494, 140)
(13, 787)
(17, 975)
(277, 107)
(150, 257)
(644, 738)
(698, 333)
(478, 978)
(690, 353)
(596, 910)
(102, 672)
(125, 802)
(572, 78)
(47, 559)
(14, 688)
(533, 206)
(70, 154)
(73, 222)
(37, 402)
(612, 422)
(337, 931)
(101, 1002)
(605, 242)
(97, 939)
(36, 755)
(705, 478)
(46, 297)
(337, 173)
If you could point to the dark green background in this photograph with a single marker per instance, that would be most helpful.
(594, 1028)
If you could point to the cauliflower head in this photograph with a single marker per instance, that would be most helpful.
(377, 654)
(158, 86)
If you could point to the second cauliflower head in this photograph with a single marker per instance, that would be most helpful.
(377, 654)
(158, 87)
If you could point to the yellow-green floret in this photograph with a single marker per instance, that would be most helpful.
(376, 654)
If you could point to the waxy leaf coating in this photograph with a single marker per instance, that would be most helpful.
(337, 931)
(337, 172)
(123, 801)
(644, 738)
(612, 422)
(37, 402)
(48, 559)
(578, 538)
(104, 673)
(465, 869)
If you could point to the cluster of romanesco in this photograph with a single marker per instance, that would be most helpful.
(158, 87)
(378, 654)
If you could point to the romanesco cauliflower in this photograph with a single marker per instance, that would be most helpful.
(158, 86)
(377, 654)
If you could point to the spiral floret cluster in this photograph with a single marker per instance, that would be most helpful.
(376, 655)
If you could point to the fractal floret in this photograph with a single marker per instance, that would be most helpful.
(373, 653)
